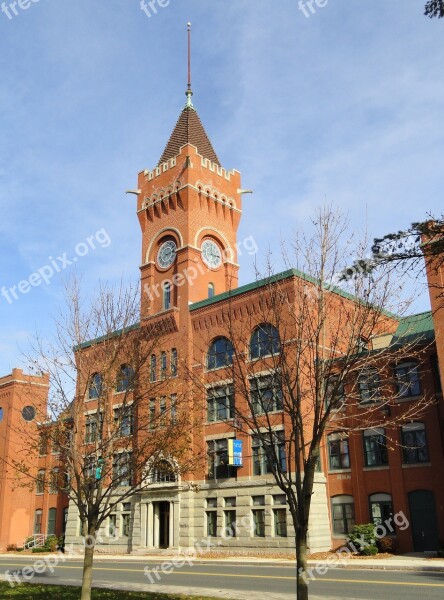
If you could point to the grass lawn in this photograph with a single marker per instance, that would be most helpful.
(43, 592)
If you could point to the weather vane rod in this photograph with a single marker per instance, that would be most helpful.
(189, 93)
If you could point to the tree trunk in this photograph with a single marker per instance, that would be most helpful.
(88, 559)
(301, 565)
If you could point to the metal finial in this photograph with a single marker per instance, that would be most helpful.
(189, 92)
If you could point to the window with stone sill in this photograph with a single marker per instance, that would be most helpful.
(338, 451)
(407, 380)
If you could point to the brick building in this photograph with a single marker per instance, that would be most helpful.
(189, 208)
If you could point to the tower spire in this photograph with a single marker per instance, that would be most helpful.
(189, 92)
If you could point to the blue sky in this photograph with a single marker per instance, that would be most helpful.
(345, 105)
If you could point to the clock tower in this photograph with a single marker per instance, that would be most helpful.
(189, 208)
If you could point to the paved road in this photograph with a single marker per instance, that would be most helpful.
(243, 581)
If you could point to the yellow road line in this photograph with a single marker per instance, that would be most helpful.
(234, 575)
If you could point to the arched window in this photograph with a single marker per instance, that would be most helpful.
(375, 447)
(264, 341)
(38, 521)
(164, 472)
(414, 442)
(95, 386)
(343, 514)
(1, 415)
(407, 380)
(166, 295)
(153, 368)
(125, 379)
(52, 515)
(381, 508)
(211, 290)
(220, 353)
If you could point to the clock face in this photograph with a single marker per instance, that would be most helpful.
(28, 413)
(167, 254)
(211, 254)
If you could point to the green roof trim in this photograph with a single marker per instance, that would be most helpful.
(413, 328)
(108, 336)
(276, 279)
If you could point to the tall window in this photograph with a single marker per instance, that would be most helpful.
(381, 508)
(54, 482)
(343, 514)
(125, 379)
(95, 386)
(153, 368)
(122, 468)
(338, 451)
(414, 442)
(369, 386)
(93, 427)
(280, 515)
(211, 516)
(152, 413)
(162, 411)
(123, 420)
(40, 482)
(435, 372)
(173, 407)
(217, 460)
(126, 518)
(220, 403)
(38, 521)
(266, 394)
(166, 295)
(163, 365)
(407, 380)
(174, 362)
(259, 516)
(43, 443)
(334, 393)
(269, 453)
(375, 447)
(211, 290)
(220, 354)
(52, 516)
(264, 341)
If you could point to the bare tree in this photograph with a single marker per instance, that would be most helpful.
(307, 357)
(99, 353)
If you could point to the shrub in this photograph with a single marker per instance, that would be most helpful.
(363, 536)
(39, 549)
(387, 544)
(369, 551)
(51, 543)
(11, 547)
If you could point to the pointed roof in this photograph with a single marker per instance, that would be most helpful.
(189, 130)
